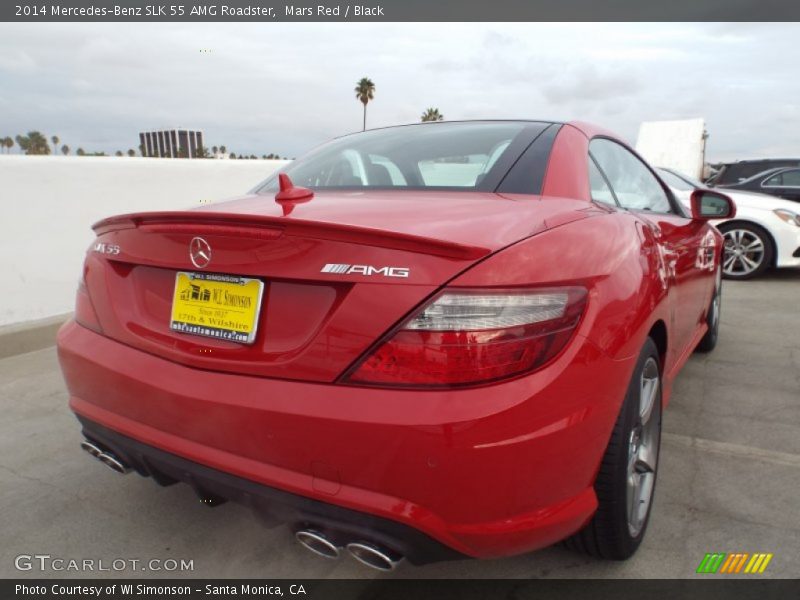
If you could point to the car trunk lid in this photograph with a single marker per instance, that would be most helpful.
(337, 272)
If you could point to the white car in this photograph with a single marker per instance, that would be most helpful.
(764, 233)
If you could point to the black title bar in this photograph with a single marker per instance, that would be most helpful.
(266, 11)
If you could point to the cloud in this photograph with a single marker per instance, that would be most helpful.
(264, 87)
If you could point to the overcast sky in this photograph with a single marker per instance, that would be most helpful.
(283, 87)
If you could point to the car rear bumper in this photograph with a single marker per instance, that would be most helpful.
(483, 472)
(341, 525)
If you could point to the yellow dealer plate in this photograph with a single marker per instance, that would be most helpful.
(225, 307)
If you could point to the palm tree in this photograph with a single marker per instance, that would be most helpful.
(80, 152)
(65, 150)
(131, 152)
(432, 114)
(365, 91)
(118, 153)
(214, 150)
(33, 143)
(223, 150)
(6, 143)
(55, 141)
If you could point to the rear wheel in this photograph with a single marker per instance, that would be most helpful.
(709, 340)
(625, 484)
(748, 250)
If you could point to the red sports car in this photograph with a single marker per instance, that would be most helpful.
(433, 341)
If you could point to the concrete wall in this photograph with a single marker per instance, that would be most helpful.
(49, 203)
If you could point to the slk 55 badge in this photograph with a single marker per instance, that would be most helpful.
(104, 248)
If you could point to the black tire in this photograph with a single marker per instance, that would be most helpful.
(709, 340)
(609, 535)
(739, 271)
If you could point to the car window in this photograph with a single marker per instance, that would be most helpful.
(600, 190)
(786, 179)
(384, 172)
(679, 183)
(441, 155)
(634, 185)
(453, 171)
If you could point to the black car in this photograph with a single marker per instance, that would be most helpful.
(737, 172)
(781, 182)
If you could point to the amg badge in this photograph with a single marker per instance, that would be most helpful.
(365, 270)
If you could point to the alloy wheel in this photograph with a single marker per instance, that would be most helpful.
(643, 447)
(744, 252)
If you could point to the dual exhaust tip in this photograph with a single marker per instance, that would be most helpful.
(364, 552)
(106, 457)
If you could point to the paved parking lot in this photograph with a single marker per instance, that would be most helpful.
(729, 478)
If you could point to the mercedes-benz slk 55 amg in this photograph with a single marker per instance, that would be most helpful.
(434, 341)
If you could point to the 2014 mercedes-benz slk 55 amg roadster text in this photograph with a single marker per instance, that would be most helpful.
(433, 341)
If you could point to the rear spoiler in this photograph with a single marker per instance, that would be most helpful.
(266, 227)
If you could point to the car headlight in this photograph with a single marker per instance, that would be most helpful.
(788, 216)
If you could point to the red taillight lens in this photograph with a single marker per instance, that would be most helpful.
(470, 337)
(84, 310)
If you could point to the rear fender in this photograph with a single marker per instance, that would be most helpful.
(609, 255)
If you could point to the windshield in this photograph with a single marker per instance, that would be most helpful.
(681, 182)
(436, 155)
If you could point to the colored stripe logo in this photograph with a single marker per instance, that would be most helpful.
(335, 268)
(735, 562)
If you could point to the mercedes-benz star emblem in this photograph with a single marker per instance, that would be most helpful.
(199, 252)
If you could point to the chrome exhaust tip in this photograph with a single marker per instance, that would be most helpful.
(113, 463)
(317, 543)
(374, 556)
(108, 459)
(89, 447)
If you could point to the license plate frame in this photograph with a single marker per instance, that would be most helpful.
(206, 310)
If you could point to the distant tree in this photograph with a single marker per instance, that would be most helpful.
(118, 153)
(365, 91)
(432, 114)
(223, 149)
(65, 150)
(6, 143)
(201, 152)
(131, 152)
(141, 149)
(232, 155)
(55, 141)
(80, 152)
(33, 143)
(214, 150)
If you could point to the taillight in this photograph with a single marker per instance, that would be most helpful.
(467, 337)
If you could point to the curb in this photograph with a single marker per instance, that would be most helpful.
(20, 338)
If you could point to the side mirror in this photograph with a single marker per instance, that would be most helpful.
(708, 205)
